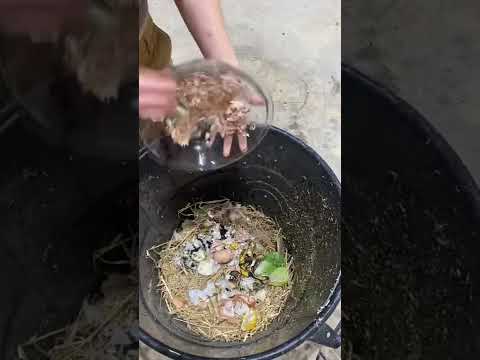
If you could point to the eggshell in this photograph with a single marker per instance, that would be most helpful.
(223, 256)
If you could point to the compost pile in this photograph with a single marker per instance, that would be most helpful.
(101, 330)
(225, 272)
(213, 105)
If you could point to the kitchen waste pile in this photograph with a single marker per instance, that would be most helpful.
(102, 328)
(212, 106)
(225, 273)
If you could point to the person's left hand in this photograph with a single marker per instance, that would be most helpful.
(157, 94)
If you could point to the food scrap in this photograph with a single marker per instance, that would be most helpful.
(222, 273)
(216, 105)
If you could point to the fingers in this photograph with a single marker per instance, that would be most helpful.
(165, 106)
(256, 100)
(150, 79)
(227, 145)
(228, 140)
(213, 135)
(157, 94)
(242, 142)
(157, 98)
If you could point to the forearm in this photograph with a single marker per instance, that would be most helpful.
(204, 19)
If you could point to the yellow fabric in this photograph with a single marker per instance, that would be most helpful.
(155, 46)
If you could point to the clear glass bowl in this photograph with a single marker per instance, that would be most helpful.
(201, 153)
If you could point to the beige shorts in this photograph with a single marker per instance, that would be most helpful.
(155, 47)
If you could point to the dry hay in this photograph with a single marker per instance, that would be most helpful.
(174, 284)
(99, 331)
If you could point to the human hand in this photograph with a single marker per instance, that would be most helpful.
(252, 100)
(40, 17)
(157, 94)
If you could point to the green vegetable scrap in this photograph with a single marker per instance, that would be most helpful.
(273, 267)
(275, 258)
(279, 277)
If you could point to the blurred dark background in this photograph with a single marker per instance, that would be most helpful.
(69, 175)
(426, 52)
(410, 175)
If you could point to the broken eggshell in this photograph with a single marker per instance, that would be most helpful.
(225, 284)
(227, 310)
(249, 300)
(228, 294)
(199, 255)
(247, 284)
(217, 246)
(207, 267)
(223, 256)
(238, 306)
(197, 296)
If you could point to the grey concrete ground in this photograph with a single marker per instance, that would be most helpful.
(290, 47)
(293, 49)
(428, 53)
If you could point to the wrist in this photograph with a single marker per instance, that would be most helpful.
(233, 61)
(221, 51)
(228, 59)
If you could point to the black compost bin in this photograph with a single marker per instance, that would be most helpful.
(410, 221)
(289, 182)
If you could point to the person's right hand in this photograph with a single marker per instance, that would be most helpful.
(157, 94)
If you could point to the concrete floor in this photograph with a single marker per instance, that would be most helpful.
(426, 52)
(292, 48)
